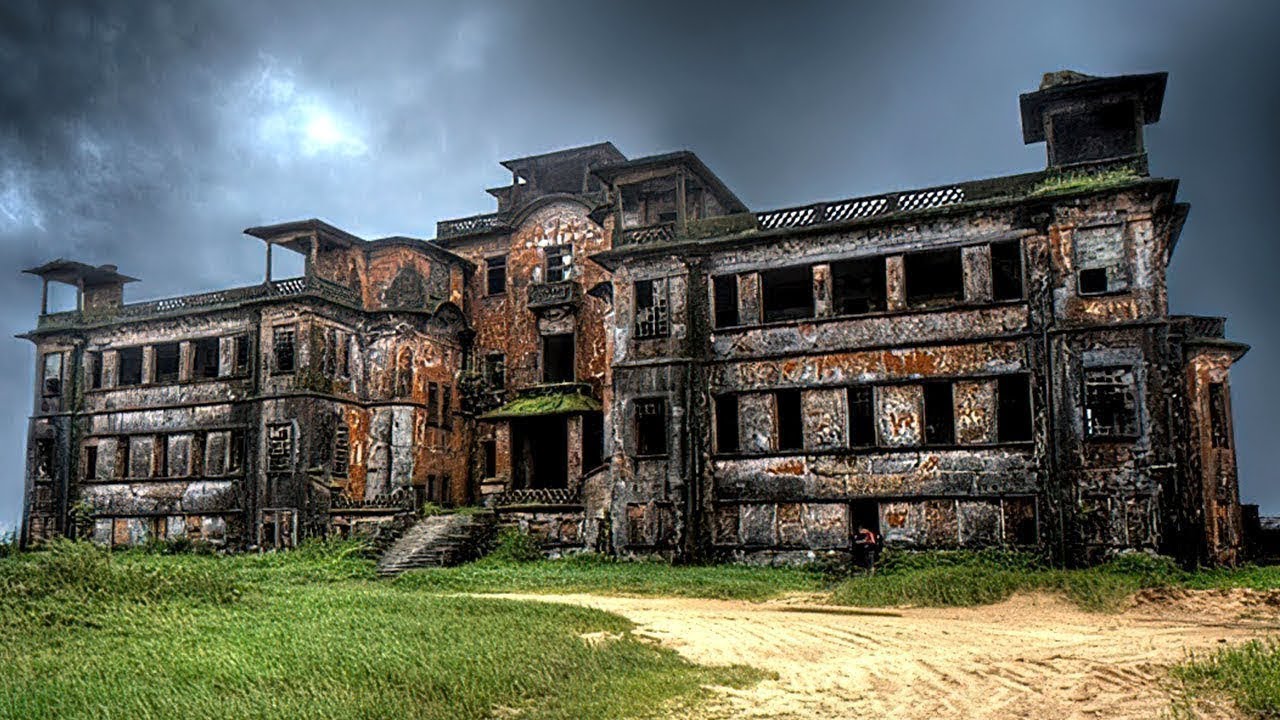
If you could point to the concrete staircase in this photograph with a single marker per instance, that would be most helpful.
(440, 541)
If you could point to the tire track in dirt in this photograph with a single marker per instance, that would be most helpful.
(1033, 656)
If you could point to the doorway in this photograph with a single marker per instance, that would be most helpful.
(541, 453)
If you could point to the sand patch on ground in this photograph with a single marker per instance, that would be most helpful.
(1033, 656)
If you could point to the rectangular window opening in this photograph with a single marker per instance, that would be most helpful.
(167, 361)
(1110, 402)
(559, 262)
(727, 424)
(236, 452)
(1093, 281)
(939, 414)
(94, 359)
(130, 366)
(862, 419)
(91, 462)
(433, 403)
(651, 426)
(787, 293)
(495, 273)
(592, 441)
(557, 358)
(490, 461)
(282, 347)
(240, 354)
(1219, 417)
(790, 420)
(652, 309)
(1013, 408)
(1006, 271)
(858, 286)
(935, 277)
(51, 379)
(725, 288)
(123, 457)
(205, 362)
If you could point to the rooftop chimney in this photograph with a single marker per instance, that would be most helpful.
(1092, 120)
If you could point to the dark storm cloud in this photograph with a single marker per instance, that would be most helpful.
(149, 135)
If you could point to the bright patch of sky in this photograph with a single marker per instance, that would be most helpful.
(291, 121)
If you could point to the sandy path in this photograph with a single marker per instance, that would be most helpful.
(1036, 656)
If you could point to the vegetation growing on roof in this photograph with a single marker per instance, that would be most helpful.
(1075, 182)
(553, 404)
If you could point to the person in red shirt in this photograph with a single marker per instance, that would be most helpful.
(866, 545)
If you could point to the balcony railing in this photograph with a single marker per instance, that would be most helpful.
(290, 287)
(565, 292)
(1201, 326)
(473, 225)
(662, 232)
(540, 496)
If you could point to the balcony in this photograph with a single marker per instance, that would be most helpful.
(554, 294)
(474, 225)
(648, 235)
(293, 287)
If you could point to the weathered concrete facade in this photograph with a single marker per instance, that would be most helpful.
(625, 358)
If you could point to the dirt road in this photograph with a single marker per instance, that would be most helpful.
(1031, 657)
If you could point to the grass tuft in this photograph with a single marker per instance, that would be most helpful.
(1249, 675)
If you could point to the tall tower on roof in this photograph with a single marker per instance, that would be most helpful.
(1085, 119)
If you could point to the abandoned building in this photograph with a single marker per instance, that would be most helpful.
(625, 358)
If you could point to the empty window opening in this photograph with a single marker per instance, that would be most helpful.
(495, 371)
(790, 420)
(939, 414)
(1093, 281)
(130, 366)
(933, 278)
(446, 407)
(341, 450)
(282, 341)
(1013, 408)
(559, 262)
(1006, 271)
(235, 452)
(91, 462)
(204, 360)
(787, 293)
(652, 309)
(433, 403)
(51, 378)
(44, 459)
(403, 381)
(1219, 425)
(123, 458)
(489, 466)
(592, 441)
(1100, 258)
(862, 417)
(167, 362)
(240, 354)
(725, 288)
(160, 456)
(727, 424)
(1110, 402)
(329, 353)
(94, 361)
(866, 513)
(651, 426)
(342, 351)
(557, 358)
(858, 286)
(1020, 521)
(495, 273)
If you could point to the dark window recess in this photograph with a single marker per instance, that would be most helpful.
(1020, 521)
(160, 456)
(935, 277)
(279, 448)
(559, 262)
(939, 414)
(592, 441)
(725, 288)
(1093, 281)
(130, 366)
(787, 294)
(433, 403)
(240, 354)
(490, 450)
(342, 351)
(204, 360)
(1006, 271)
(862, 416)
(446, 407)
(1013, 408)
(652, 309)
(91, 462)
(167, 361)
(282, 341)
(858, 286)
(495, 275)
(44, 459)
(495, 371)
(329, 353)
(1110, 402)
(341, 450)
(1219, 426)
(95, 369)
(51, 375)
(557, 358)
(727, 424)
(651, 426)
(403, 380)
(235, 452)
(123, 447)
(1095, 133)
(790, 420)
(866, 514)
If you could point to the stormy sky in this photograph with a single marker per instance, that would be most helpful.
(150, 134)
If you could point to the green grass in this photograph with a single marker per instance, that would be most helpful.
(605, 576)
(87, 634)
(1248, 675)
(1074, 182)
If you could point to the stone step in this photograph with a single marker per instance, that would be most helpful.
(438, 541)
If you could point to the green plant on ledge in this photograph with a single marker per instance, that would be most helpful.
(1075, 182)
